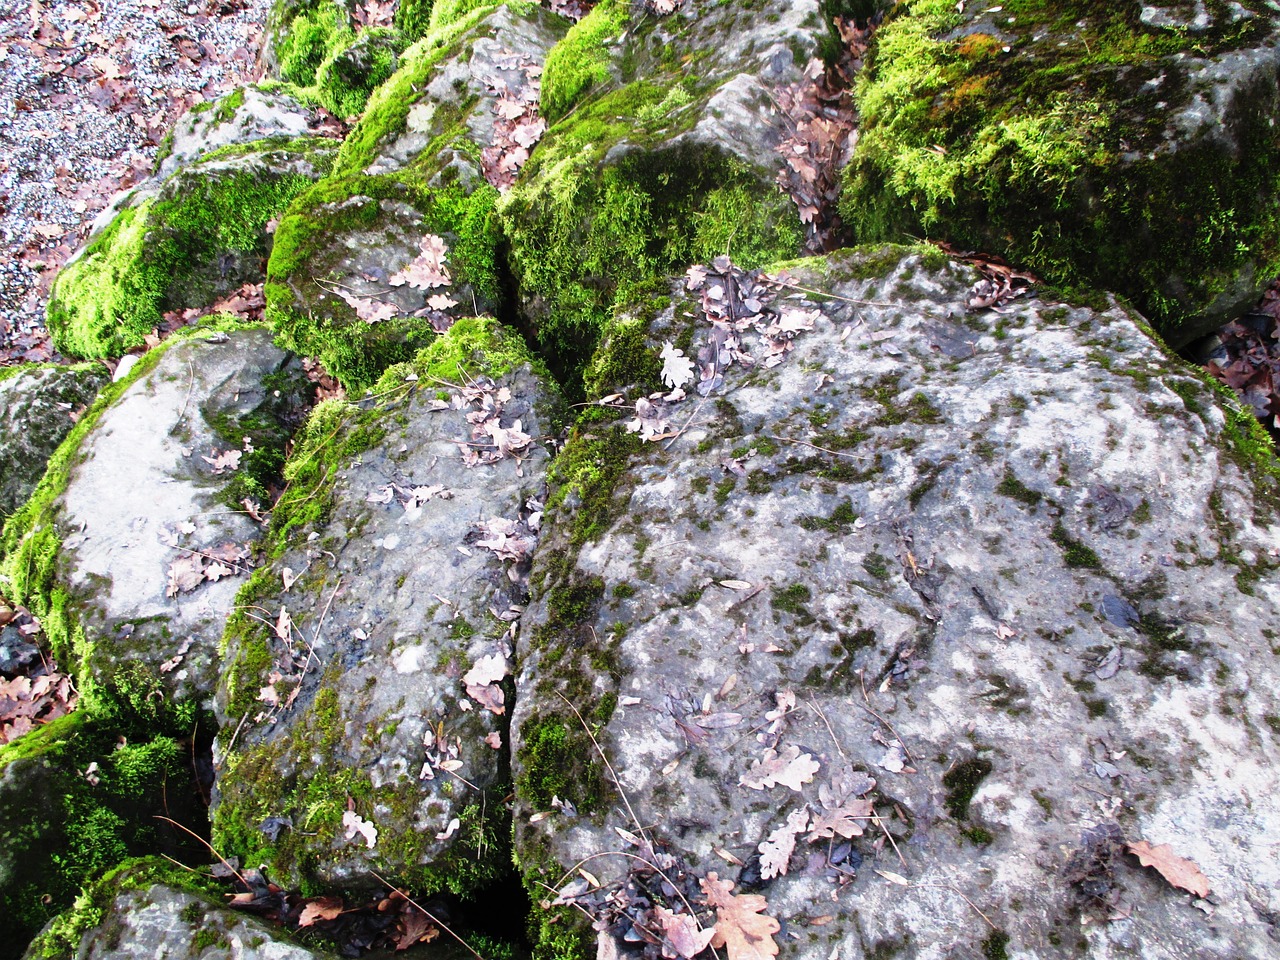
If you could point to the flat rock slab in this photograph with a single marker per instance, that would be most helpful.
(363, 706)
(909, 633)
(153, 547)
(38, 408)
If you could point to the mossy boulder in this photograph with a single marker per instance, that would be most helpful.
(906, 595)
(186, 242)
(1127, 147)
(350, 680)
(150, 908)
(39, 404)
(659, 156)
(74, 802)
(135, 541)
(300, 35)
(245, 115)
(410, 170)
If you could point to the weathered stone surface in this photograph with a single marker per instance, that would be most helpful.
(131, 916)
(73, 803)
(133, 553)
(1131, 147)
(1018, 569)
(38, 407)
(661, 154)
(411, 169)
(186, 241)
(350, 679)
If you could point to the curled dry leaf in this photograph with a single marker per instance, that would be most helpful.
(775, 852)
(1179, 871)
(353, 823)
(321, 908)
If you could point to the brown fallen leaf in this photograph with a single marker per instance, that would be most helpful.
(1179, 871)
(741, 926)
(321, 908)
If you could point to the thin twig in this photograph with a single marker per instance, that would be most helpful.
(879, 822)
(956, 890)
(806, 443)
(613, 773)
(828, 296)
(814, 703)
(430, 916)
(622, 853)
(897, 735)
(206, 843)
(696, 411)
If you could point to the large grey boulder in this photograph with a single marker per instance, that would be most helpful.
(908, 627)
(131, 551)
(363, 706)
(38, 407)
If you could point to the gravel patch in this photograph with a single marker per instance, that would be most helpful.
(87, 92)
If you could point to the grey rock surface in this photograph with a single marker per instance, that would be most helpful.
(160, 922)
(385, 682)
(904, 631)
(153, 548)
(243, 116)
(38, 407)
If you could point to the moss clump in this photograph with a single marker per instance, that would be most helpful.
(59, 831)
(961, 782)
(1047, 144)
(351, 73)
(1074, 553)
(590, 230)
(557, 759)
(202, 236)
(580, 61)
(310, 39)
(1011, 486)
(412, 18)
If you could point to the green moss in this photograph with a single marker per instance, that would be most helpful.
(412, 18)
(580, 61)
(841, 520)
(1011, 486)
(312, 38)
(961, 782)
(588, 235)
(557, 759)
(995, 946)
(1074, 553)
(877, 565)
(353, 70)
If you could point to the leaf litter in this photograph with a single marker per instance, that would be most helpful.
(32, 690)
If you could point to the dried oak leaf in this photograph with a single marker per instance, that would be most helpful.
(354, 823)
(185, 574)
(227, 460)
(775, 852)
(741, 926)
(428, 269)
(415, 927)
(680, 931)
(488, 669)
(677, 369)
(1179, 871)
(790, 768)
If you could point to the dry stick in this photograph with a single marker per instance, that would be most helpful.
(208, 846)
(209, 556)
(182, 414)
(829, 296)
(879, 822)
(894, 732)
(243, 717)
(430, 916)
(622, 853)
(613, 773)
(814, 703)
(806, 443)
(696, 411)
(315, 637)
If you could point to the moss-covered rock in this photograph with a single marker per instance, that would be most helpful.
(131, 546)
(184, 243)
(39, 404)
(660, 158)
(74, 802)
(365, 700)
(149, 908)
(1102, 145)
(411, 169)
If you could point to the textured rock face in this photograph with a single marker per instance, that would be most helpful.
(416, 167)
(131, 916)
(381, 680)
(1131, 147)
(937, 595)
(136, 563)
(652, 163)
(241, 117)
(38, 408)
